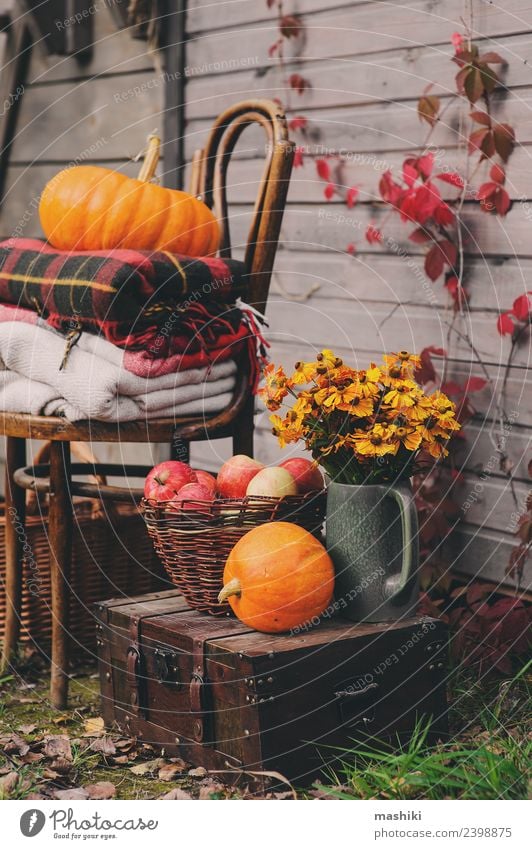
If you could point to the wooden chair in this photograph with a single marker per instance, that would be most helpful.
(209, 172)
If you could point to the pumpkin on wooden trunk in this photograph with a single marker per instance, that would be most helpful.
(89, 208)
(277, 577)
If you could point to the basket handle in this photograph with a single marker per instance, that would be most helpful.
(36, 500)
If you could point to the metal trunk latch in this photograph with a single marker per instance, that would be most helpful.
(167, 667)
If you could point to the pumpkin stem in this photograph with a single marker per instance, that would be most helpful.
(151, 158)
(234, 587)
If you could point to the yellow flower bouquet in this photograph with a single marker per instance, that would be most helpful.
(363, 426)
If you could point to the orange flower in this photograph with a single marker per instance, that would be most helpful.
(375, 442)
(410, 437)
(403, 359)
(404, 394)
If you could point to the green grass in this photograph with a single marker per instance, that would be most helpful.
(487, 757)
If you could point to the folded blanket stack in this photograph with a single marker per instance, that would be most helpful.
(121, 335)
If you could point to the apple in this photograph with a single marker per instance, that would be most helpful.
(166, 479)
(190, 492)
(307, 476)
(274, 482)
(235, 475)
(205, 479)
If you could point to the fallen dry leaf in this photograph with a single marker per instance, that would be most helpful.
(101, 790)
(50, 774)
(72, 793)
(208, 790)
(125, 745)
(27, 729)
(169, 771)
(32, 758)
(8, 782)
(104, 745)
(95, 726)
(120, 759)
(176, 793)
(61, 765)
(198, 772)
(147, 766)
(182, 764)
(57, 747)
(15, 745)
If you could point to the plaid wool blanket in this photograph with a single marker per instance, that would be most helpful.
(125, 295)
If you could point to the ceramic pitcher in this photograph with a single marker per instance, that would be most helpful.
(372, 537)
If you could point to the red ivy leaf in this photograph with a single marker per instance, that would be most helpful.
(426, 373)
(351, 249)
(443, 214)
(502, 201)
(351, 197)
(298, 123)
(273, 48)
(451, 177)
(481, 118)
(504, 140)
(498, 174)
(322, 167)
(329, 191)
(457, 40)
(290, 26)
(434, 263)
(491, 58)
(485, 190)
(474, 84)
(522, 306)
(449, 387)
(298, 157)
(476, 139)
(420, 236)
(474, 384)
(505, 324)
(410, 174)
(425, 164)
(297, 82)
(373, 234)
(450, 251)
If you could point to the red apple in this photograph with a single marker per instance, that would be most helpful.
(166, 479)
(274, 482)
(190, 492)
(307, 476)
(235, 475)
(205, 479)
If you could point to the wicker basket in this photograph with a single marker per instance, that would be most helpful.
(194, 542)
(112, 556)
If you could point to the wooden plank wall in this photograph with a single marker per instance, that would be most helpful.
(367, 63)
(97, 112)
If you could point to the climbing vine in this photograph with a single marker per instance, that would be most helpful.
(436, 223)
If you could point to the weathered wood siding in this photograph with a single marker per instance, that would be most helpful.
(73, 112)
(367, 63)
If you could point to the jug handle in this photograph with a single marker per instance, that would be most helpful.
(402, 494)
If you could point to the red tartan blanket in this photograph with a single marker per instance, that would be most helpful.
(126, 295)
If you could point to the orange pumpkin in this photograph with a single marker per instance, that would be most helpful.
(88, 208)
(278, 576)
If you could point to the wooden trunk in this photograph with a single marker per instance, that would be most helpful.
(228, 698)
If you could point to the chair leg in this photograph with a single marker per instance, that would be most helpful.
(243, 429)
(15, 541)
(60, 531)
